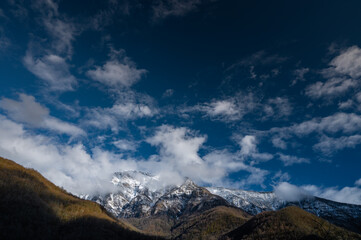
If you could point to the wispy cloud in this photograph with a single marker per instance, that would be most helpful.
(328, 145)
(166, 8)
(30, 112)
(52, 69)
(338, 123)
(289, 160)
(235, 108)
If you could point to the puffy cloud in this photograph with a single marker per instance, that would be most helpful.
(179, 157)
(248, 145)
(119, 71)
(52, 69)
(249, 150)
(28, 111)
(350, 195)
(290, 193)
(69, 166)
(289, 160)
(348, 62)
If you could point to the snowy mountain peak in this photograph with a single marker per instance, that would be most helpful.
(139, 194)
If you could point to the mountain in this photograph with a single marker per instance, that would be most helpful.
(290, 223)
(31, 207)
(149, 204)
(142, 200)
(210, 224)
(140, 194)
(340, 214)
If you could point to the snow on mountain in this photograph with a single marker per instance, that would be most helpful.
(139, 194)
(249, 201)
(341, 214)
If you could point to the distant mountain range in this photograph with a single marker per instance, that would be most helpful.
(140, 197)
(142, 207)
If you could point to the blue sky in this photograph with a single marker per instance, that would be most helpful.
(243, 94)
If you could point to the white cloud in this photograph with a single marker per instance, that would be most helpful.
(289, 160)
(28, 111)
(69, 166)
(328, 145)
(299, 75)
(248, 145)
(119, 71)
(166, 8)
(345, 123)
(290, 193)
(358, 182)
(179, 156)
(249, 150)
(236, 107)
(114, 116)
(331, 88)
(281, 177)
(342, 75)
(346, 104)
(277, 108)
(168, 93)
(348, 62)
(52, 69)
(61, 30)
(63, 34)
(125, 145)
(279, 143)
(350, 195)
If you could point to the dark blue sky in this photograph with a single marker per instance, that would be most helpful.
(244, 94)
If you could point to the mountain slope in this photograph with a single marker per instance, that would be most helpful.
(290, 223)
(32, 207)
(210, 224)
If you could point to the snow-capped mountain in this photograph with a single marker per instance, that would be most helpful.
(139, 194)
(341, 214)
